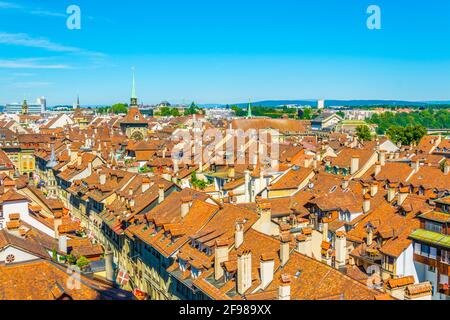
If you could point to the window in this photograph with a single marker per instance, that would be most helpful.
(417, 248)
(432, 226)
(433, 253)
(425, 250)
(445, 256)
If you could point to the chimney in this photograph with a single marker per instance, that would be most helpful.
(161, 193)
(315, 164)
(244, 271)
(186, 203)
(238, 234)
(416, 165)
(220, 256)
(62, 244)
(109, 268)
(373, 189)
(304, 245)
(284, 291)
(345, 183)
(382, 158)
(231, 172)
(175, 166)
(325, 230)
(145, 184)
(402, 195)
(274, 164)
(130, 191)
(57, 221)
(247, 186)
(341, 249)
(79, 160)
(102, 178)
(355, 165)
(132, 202)
(377, 168)
(267, 267)
(366, 203)
(446, 167)
(369, 235)
(391, 192)
(265, 216)
(284, 246)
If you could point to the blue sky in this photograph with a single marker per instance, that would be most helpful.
(224, 51)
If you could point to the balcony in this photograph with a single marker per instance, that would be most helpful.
(444, 289)
(372, 255)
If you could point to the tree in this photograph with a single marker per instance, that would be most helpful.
(82, 262)
(196, 182)
(307, 114)
(71, 259)
(119, 108)
(341, 114)
(193, 109)
(429, 118)
(54, 255)
(406, 135)
(174, 112)
(363, 133)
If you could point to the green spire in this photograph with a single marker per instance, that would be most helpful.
(249, 110)
(133, 92)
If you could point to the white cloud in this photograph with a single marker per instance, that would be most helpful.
(48, 13)
(24, 40)
(34, 63)
(29, 10)
(9, 5)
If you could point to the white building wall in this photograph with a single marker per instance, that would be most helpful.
(405, 264)
(21, 207)
(19, 255)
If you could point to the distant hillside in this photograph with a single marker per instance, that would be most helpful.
(329, 103)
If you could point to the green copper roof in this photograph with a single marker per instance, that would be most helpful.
(431, 237)
(249, 110)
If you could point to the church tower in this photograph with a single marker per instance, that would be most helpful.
(134, 125)
(133, 100)
(25, 107)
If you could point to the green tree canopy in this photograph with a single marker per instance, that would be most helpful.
(363, 133)
(82, 262)
(428, 118)
(193, 109)
(119, 108)
(406, 135)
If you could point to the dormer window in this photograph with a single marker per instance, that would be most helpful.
(136, 117)
(183, 264)
(195, 273)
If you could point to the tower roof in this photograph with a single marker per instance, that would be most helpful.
(133, 101)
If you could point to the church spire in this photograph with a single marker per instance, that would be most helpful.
(249, 110)
(133, 102)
